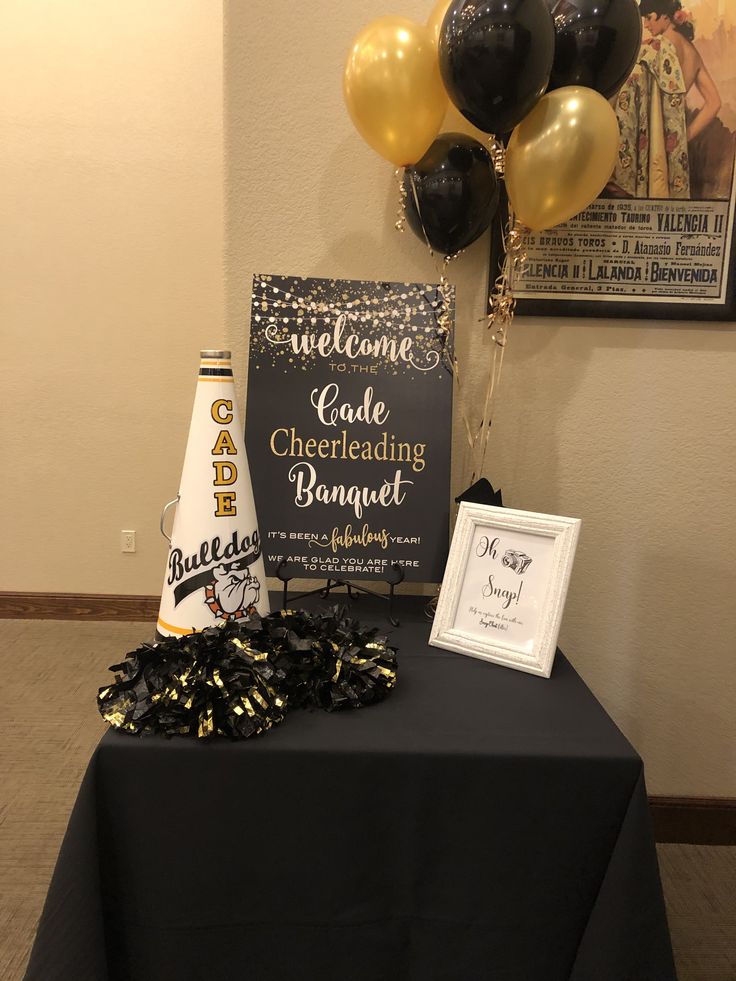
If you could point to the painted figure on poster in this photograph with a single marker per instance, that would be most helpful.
(673, 143)
(653, 160)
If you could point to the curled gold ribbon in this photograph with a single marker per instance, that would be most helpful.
(400, 223)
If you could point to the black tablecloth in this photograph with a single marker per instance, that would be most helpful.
(479, 824)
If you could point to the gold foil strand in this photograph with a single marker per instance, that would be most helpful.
(256, 695)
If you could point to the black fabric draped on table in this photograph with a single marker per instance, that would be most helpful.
(479, 824)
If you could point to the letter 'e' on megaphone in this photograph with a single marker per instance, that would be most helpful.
(214, 570)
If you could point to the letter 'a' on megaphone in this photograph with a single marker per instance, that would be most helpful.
(214, 570)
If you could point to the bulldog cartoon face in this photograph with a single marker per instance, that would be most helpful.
(233, 593)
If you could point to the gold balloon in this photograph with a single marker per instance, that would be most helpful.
(393, 89)
(560, 156)
(435, 20)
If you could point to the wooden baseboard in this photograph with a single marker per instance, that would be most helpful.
(687, 820)
(77, 606)
(694, 820)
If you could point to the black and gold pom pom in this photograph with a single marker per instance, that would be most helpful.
(344, 665)
(238, 679)
(202, 684)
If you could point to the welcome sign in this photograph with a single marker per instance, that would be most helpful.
(348, 426)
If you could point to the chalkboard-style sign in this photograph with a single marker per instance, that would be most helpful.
(348, 426)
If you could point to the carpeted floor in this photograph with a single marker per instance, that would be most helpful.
(49, 674)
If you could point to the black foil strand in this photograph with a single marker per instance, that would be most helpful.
(241, 678)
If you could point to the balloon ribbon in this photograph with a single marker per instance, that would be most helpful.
(445, 324)
(501, 306)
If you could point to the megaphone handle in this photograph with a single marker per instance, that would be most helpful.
(163, 516)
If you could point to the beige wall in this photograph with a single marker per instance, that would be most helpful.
(112, 279)
(629, 426)
(111, 276)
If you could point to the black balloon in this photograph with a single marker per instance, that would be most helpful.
(597, 43)
(495, 58)
(455, 186)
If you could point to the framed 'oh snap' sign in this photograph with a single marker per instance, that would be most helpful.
(348, 426)
(505, 586)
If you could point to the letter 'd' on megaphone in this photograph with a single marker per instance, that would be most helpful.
(214, 571)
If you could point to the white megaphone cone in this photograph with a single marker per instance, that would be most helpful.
(214, 572)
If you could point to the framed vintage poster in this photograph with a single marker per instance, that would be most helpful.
(348, 427)
(659, 241)
(505, 586)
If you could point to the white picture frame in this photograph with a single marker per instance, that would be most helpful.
(498, 556)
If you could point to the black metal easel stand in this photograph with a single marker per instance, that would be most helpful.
(286, 573)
